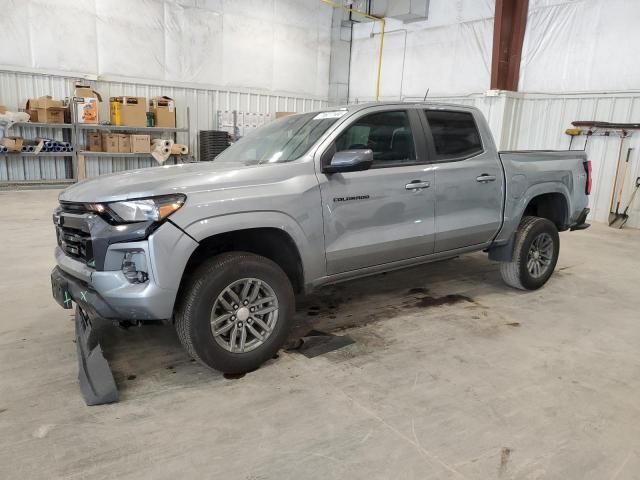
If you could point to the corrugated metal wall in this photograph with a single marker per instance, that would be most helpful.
(203, 105)
(518, 121)
(542, 120)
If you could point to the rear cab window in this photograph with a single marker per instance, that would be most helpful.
(454, 134)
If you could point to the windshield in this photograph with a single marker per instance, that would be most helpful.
(282, 140)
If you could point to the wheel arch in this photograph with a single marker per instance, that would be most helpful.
(545, 200)
(553, 206)
(273, 243)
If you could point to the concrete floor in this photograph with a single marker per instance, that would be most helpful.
(493, 383)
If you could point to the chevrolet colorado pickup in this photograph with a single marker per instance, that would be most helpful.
(220, 249)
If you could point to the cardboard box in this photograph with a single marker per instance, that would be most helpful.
(86, 91)
(110, 143)
(51, 115)
(50, 110)
(128, 111)
(87, 104)
(124, 143)
(13, 144)
(284, 114)
(86, 109)
(3, 109)
(48, 102)
(31, 109)
(164, 110)
(140, 144)
(94, 142)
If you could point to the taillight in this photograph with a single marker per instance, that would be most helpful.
(587, 168)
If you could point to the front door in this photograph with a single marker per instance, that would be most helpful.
(386, 213)
(468, 181)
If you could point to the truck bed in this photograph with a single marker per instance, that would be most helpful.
(528, 173)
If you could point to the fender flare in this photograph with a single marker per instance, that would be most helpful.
(502, 250)
(225, 223)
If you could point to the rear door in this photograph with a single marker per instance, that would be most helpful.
(468, 179)
(383, 214)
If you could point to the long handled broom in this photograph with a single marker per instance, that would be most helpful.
(613, 216)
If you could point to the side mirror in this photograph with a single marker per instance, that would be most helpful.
(349, 161)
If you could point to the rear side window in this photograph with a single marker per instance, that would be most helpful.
(455, 134)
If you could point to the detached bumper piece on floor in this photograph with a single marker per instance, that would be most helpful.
(317, 343)
(94, 374)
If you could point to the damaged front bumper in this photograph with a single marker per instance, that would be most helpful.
(96, 380)
(105, 296)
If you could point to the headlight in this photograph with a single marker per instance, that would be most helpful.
(142, 209)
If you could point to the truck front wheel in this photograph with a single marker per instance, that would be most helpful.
(535, 254)
(236, 312)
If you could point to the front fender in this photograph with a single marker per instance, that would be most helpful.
(310, 247)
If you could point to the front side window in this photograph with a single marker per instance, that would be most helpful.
(455, 134)
(387, 134)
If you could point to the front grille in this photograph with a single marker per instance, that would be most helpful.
(74, 207)
(75, 244)
(72, 231)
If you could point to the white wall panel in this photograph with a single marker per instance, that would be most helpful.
(131, 38)
(580, 45)
(199, 32)
(270, 45)
(62, 37)
(569, 46)
(15, 16)
(448, 54)
(246, 62)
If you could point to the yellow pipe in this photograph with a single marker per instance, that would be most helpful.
(382, 26)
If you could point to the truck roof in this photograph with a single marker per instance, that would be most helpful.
(354, 107)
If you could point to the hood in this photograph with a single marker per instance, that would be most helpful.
(184, 178)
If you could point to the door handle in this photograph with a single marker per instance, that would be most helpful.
(417, 185)
(486, 178)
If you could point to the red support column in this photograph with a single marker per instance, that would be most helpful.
(508, 35)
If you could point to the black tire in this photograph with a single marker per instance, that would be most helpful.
(516, 273)
(192, 319)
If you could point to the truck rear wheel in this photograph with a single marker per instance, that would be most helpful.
(535, 254)
(236, 312)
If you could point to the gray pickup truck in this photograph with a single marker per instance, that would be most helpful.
(221, 249)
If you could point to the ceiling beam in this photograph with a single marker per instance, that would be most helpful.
(509, 25)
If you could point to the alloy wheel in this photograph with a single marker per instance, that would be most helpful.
(540, 255)
(244, 315)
